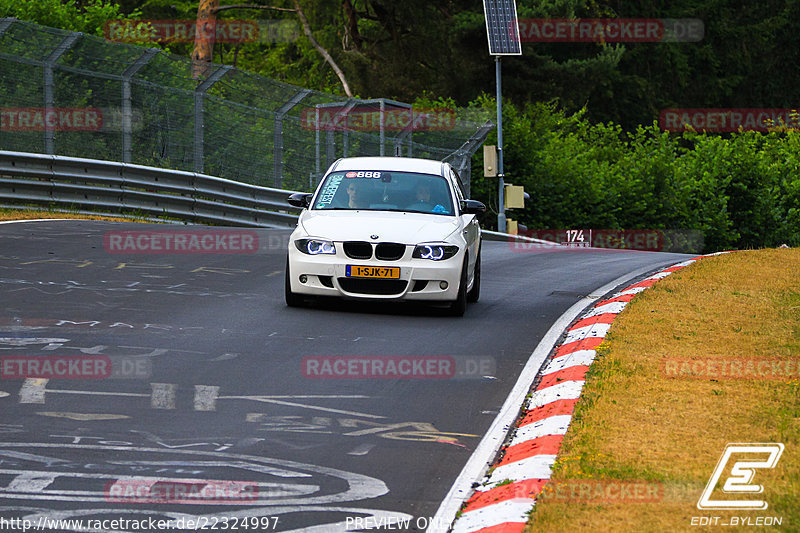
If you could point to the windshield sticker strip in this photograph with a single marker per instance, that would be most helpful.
(327, 194)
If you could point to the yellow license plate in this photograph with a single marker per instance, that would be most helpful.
(356, 271)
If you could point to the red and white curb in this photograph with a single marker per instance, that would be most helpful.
(502, 502)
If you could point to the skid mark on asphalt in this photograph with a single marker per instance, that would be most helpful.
(82, 416)
(352, 427)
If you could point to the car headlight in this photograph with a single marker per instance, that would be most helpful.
(435, 252)
(315, 246)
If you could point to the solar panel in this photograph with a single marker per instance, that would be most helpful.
(502, 27)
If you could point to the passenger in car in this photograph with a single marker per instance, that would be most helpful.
(422, 198)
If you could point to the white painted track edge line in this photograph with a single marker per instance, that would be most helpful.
(478, 463)
(37, 220)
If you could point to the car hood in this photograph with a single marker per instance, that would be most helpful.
(406, 228)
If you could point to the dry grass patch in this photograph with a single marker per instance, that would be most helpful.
(634, 422)
(24, 214)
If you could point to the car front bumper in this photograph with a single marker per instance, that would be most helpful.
(420, 279)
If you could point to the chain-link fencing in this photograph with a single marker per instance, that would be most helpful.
(72, 94)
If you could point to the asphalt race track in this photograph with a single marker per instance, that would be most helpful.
(209, 410)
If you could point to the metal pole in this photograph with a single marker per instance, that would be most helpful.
(199, 95)
(127, 107)
(330, 147)
(316, 148)
(277, 135)
(383, 126)
(49, 88)
(344, 112)
(501, 211)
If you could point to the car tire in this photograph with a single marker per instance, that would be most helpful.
(475, 292)
(292, 299)
(459, 306)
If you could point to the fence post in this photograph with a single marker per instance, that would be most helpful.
(277, 139)
(405, 132)
(383, 127)
(462, 158)
(49, 87)
(316, 144)
(127, 109)
(346, 131)
(5, 23)
(199, 95)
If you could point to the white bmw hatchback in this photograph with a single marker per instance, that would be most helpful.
(388, 228)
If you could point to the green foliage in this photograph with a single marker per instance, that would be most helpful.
(577, 119)
(741, 190)
(401, 49)
(86, 17)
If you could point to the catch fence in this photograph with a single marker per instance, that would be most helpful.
(72, 94)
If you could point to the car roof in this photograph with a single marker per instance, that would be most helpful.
(407, 164)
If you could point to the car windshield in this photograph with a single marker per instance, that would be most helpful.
(381, 190)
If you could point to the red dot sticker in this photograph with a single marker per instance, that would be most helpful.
(350, 175)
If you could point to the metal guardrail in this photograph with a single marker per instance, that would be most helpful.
(77, 183)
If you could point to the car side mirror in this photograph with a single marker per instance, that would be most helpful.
(472, 207)
(300, 199)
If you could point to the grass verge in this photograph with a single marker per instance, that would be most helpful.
(32, 214)
(680, 375)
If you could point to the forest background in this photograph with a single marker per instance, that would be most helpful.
(581, 130)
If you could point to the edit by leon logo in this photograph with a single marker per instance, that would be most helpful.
(739, 481)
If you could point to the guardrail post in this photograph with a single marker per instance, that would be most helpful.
(277, 139)
(127, 110)
(199, 94)
(49, 87)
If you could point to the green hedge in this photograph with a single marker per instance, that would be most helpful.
(741, 190)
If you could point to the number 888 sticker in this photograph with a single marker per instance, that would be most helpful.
(364, 174)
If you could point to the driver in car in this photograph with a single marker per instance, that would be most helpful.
(357, 195)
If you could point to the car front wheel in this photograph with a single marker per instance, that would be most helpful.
(459, 306)
(475, 292)
(292, 299)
